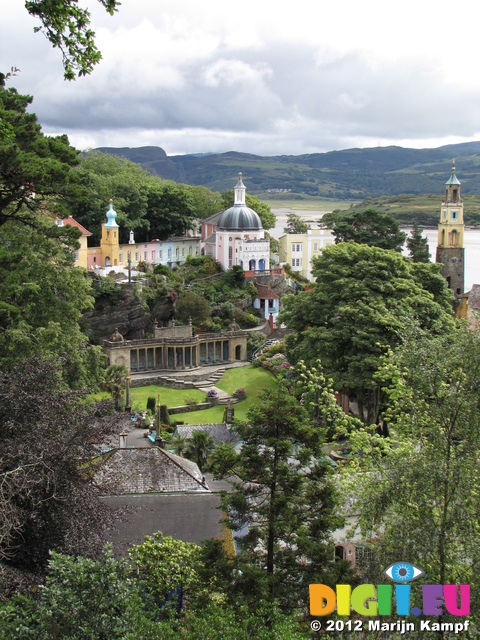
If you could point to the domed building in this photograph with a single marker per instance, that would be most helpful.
(239, 238)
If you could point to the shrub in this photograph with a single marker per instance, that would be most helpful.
(164, 415)
(151, 405)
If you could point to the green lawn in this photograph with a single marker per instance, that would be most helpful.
(253, 380)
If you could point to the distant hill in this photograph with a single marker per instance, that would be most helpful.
(348, 174)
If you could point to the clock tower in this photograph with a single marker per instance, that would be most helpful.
(450, 249)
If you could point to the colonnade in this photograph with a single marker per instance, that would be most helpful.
(174, 356)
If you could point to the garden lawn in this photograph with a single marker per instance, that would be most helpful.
(254, 380)
(168, 396)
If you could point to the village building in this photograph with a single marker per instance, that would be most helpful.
(450, 247)
(80, 254)
(176, 348)
(236, 235)
(298, 249)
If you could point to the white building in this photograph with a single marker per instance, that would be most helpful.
(239, 238)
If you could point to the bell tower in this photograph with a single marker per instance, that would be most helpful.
(450, 249)
(109, 242)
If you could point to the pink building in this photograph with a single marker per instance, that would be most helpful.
(238, 237)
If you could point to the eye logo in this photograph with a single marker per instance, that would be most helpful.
(403, 572)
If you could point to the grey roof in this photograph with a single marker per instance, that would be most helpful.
(212, 219)
(220, 433)
(187, 517)
(474, 298)
(239, 218)
(149, 470)
(211, 238)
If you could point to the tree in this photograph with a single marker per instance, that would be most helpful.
(166, 565)
(101, 176)
(223, 460)
(199, 447)
(417, 245)
(263, 209)
(48, 500)
(190, 306)
(170, 210)
(115, 382)
(295, 224)
(369, 227)
(355, 311)
(67, 27)
(89, 599)
(286, 498)
(423, 503)
(42, 297)
(33, 168)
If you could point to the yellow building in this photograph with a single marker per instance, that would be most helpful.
(298, 249)
(82, 252)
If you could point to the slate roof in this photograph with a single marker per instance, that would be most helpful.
(220, 433)
(213, 218)
(184, 516)
(149, 470)
(266, 293)
(474, 298)
(71, 222)
(212, 238)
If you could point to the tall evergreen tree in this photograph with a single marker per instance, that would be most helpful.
(417, 245)
(286, 499)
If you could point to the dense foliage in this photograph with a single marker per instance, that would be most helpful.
(353, 314)
(48, 500)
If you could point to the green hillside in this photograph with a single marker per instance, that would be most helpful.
(351, 174)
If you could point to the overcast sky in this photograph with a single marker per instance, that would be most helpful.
(259, 76)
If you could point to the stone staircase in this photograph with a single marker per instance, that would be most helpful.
(265, 345)
(211, 381)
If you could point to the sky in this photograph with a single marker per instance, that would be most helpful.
(261, 77)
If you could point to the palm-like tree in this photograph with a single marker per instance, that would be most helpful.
(178, 444)
(115, 382)
(199, 447)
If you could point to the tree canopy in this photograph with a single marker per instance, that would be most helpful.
(423, 503)
(33, 167)
(295, 224)
(417, 245)
(67, 27)
(47, 501)
(286, 498)
(367, 227)
(355, 310)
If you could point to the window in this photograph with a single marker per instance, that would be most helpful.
(177, 252)
(190, 250)
(153, 256)
(160, 254)
(76, 255)
(145, 256)
(183, 251)
(136, 256)
(230, 256)
(315, 246)
(169, 253)
(454, 215)
(120, 258)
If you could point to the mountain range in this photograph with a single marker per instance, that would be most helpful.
(348, 174)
